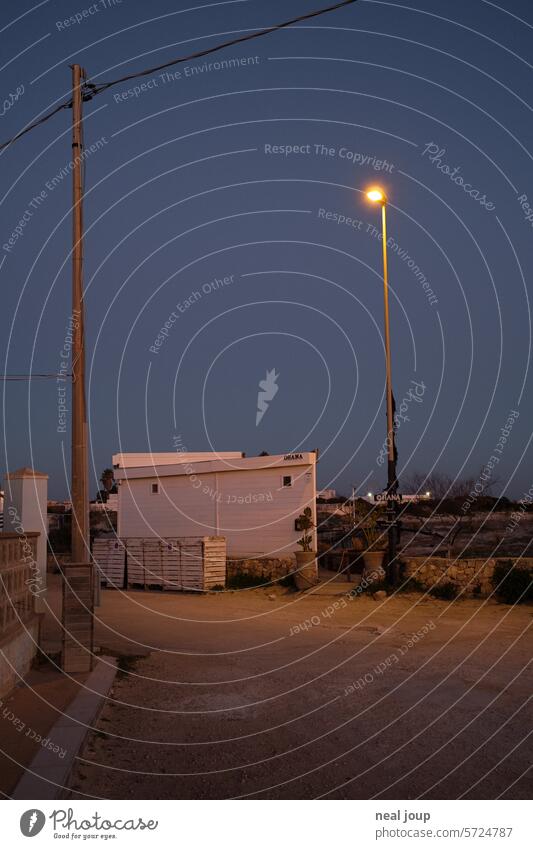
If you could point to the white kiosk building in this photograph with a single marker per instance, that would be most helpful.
(253, 502)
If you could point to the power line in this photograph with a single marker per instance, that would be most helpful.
(97, 88)
(8, 377)
(90, 90)
(66, 105)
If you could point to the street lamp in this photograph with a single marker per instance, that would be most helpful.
(377, 195)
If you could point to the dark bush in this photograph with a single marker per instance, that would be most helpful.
(445, 590)
(371, 588)
(287, 581)
(450, 506)
(513, 584)
(245, 581)
(126, 664)
(411, 585)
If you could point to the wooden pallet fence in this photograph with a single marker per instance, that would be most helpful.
(182, 564)
(109, 556)
(179, 564)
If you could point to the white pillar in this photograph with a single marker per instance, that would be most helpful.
(25, 510)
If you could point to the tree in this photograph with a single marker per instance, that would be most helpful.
(109, 486)
(456, 497)
(108, 479)
(443, 486)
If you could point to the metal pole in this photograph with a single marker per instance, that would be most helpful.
(392, 482)
(80, 551)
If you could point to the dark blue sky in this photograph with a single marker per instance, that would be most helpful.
(189, 181)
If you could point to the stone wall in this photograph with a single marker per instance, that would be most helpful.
(473, 576)
(269, 568)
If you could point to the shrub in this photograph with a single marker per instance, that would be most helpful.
(127, 663)
(445, 590)
(286, 581)
(245, 581)
(513, 584)
(371, 587)
(411, 585)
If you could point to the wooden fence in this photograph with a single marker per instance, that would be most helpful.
(185, 563)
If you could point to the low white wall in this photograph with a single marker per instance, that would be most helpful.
(17, 651)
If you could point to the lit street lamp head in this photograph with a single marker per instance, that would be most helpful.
(376, 195)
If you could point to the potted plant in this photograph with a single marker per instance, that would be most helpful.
(375, 542)
(357, 542)
(306, 572)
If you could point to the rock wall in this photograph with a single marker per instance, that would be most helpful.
(270, 568)
(472, 575)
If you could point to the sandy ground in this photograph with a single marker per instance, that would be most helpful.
(232, 697)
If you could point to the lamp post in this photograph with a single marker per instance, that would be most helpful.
(80, 548)
(377, 195)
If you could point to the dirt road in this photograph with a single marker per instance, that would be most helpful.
(257, 694)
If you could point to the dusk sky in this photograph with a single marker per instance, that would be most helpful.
(231, 194)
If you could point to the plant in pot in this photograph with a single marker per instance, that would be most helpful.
(358, 543)
(375, 542)
(306, 572)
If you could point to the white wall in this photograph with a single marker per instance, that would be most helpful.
(25, 510)
(249, 507)
(17, 655)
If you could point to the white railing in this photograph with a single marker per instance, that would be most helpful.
(17, 571)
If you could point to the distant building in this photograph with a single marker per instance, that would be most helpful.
(371, 496)
(326, 494)
(109, 505)
(251, 501)
(58, 514)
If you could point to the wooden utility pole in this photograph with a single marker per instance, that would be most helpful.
(78, 575)
(80, 550)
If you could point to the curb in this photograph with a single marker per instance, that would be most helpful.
(46, 776)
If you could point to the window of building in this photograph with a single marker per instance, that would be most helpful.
(286, 480)
(155, 488)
